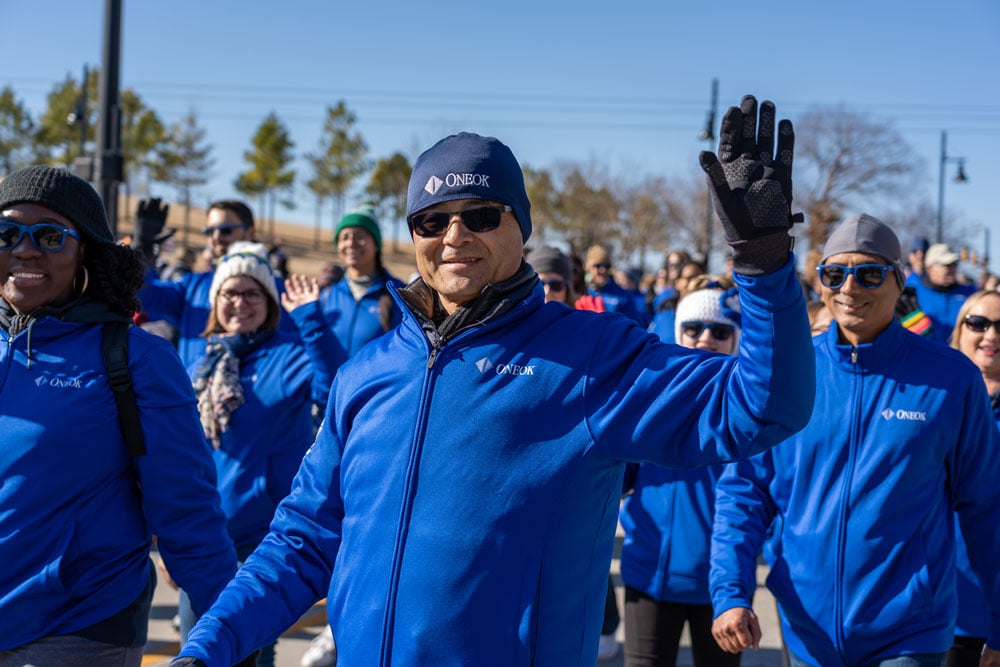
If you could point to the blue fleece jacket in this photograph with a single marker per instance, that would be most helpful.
(356, 322)
(859, 504)
(619, 300)
(75, 530)
(668, 527)
(261, 451)
(941, 305)
(973, 614)
(459, 505)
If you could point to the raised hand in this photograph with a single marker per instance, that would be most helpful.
(150, 218)
(299, 290)
(751, 186)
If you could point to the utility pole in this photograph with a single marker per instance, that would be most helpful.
(109, 153)
(708, 134)
(83, 165)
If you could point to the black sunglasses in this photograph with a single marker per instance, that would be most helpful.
(224, 230)
(718, 331)
(869, 276)
(479, 219)
(981, 324)
(555, 285)
(45, 237)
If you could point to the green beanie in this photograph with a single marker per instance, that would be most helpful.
(363, 217)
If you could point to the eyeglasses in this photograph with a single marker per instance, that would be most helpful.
(718, 331)
(869, 276)
(602, 265)
(45, 237)
(479, 219)
(251, 297)
(554, 285)
(224, 230)
(981, 324)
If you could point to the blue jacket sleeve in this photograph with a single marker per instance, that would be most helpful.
(649, 401)
(177, 474)
(325, 351)
(744, 511)
(288, 572)
(973, 473)
(164, 299)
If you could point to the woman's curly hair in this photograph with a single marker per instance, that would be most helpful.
(116, 276)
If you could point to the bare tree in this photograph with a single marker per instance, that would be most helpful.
(847, 159)
(646, 208)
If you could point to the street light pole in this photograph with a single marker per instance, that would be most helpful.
(959, 178)
(708, 134)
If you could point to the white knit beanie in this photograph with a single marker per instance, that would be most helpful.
(709, 305)
(244, 258)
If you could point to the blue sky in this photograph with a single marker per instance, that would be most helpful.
(625, 84)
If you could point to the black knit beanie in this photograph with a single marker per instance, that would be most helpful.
(64, 193)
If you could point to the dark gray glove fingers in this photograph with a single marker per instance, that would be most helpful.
(716, 175)
(765, 133)
(748, 107)
(730, 135)
(786, 144)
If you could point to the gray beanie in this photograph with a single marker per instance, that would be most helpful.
(866, 234)
(550, 260)
(63, 192)
(469, 166)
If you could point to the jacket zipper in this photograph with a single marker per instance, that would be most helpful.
(845, 496)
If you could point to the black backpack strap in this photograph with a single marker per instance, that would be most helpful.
(114, 348)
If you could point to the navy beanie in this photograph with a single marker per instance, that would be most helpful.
(63, 192)
(469, 166)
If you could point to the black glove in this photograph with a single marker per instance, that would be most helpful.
(752, 188)
(150, 219)
(187, 661)
(910, 315)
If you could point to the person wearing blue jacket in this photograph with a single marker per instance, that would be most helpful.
(185, 304)
(78, 508)
(255, 388)
(857, 508)
(459, 504)
(602, 286)
(938, 291)
(667, 519)
(357, 309)
(977, 335)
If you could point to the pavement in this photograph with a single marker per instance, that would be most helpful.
(163, 639)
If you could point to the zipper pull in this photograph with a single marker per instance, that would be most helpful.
(854, 355)
(433, 355)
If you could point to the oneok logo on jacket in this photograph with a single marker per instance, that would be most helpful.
(452, 180)
(47, 381)
(485, 365)
(904, 415)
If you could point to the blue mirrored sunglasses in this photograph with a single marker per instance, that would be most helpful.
(45, 237)
(870, 276)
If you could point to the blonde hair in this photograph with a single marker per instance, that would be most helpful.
(970, 301)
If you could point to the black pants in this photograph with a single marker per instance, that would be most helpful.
(965, 652)
(611, 616)
(653, 633)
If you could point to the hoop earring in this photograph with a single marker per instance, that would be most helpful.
(86, 280)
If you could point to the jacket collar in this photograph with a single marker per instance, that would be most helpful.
(879, 352)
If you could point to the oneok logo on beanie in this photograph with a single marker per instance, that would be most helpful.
(433, 185)
(453, 180)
